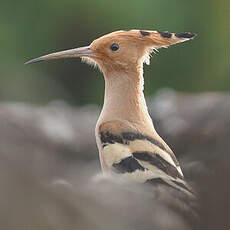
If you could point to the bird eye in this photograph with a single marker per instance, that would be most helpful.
(114, 47)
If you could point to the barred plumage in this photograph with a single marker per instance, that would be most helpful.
(140, 158)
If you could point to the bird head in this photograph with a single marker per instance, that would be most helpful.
(121, 50)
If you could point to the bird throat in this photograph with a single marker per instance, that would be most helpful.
(124, 98)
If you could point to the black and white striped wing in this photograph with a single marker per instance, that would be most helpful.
(142, 159)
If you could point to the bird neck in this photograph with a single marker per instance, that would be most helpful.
(124, 98)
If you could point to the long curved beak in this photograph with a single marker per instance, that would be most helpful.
(72, 53)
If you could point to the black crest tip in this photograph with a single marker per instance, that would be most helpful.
(185, 35)
(165, 34)
(144, 33)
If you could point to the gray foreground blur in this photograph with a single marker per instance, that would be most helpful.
(50, 173)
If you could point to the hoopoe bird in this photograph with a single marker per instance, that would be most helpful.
(128, 143)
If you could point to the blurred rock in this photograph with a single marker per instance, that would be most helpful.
(49, 160)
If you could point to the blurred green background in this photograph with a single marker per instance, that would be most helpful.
(33, 28)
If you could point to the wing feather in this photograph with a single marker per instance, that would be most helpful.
(141, 158)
